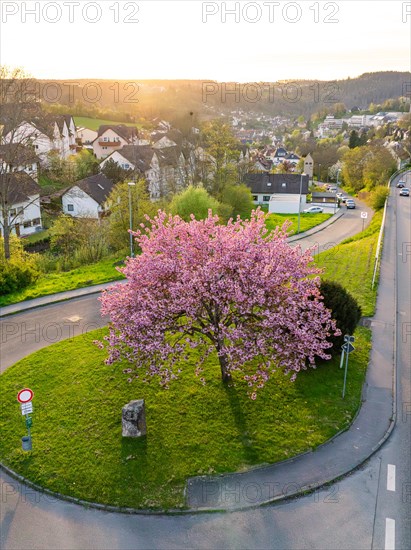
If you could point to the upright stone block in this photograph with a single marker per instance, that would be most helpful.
(134, 419)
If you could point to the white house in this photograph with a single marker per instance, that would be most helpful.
(86, 136)
(23, 195)
(143, 160)
(87, 198)
(45, 134)
(113, 138)
(281, 192)
(15, 157)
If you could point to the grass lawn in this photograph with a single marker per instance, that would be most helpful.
(51, 283)
(351, 263)
(307, 221)
(95, 123)
(192, 429)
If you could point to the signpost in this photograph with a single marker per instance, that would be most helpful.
(364, 216)
(347, 348)
(24, 397)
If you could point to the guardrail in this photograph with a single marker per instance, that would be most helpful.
(378, 250)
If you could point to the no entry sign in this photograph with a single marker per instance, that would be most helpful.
(25, 395)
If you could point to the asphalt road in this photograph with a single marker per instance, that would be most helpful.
(351, 514)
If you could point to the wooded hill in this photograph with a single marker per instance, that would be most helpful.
(170, 99)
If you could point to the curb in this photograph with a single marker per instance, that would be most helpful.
(317, 228)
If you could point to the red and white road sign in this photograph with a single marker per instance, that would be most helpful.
(24, 396)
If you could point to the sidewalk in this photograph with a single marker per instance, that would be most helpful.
(343, 453)
(95, 289)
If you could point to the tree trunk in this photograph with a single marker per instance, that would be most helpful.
(225, 374)
(6, 234)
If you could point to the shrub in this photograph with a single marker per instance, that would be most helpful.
(345, 310)
(20, 270)
(378, 197)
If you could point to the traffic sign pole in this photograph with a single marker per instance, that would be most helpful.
(345, 374)
(24, 397)
(342, 359)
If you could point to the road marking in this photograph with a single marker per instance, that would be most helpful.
(389, 534)
(391, 477)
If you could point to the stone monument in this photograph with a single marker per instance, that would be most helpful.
(134, 419)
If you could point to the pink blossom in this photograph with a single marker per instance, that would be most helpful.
(233, 289)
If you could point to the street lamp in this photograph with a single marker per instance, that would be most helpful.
(130, 185)
(319, 172)
(338, 182)
(299, 201)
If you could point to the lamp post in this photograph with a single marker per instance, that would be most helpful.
(130, 185)
(299, 202)
(338, 176)
(319, 172)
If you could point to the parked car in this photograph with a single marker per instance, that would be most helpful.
(405, 192)
(401, 183)
(332, 189)
(349, 203)
(339, 196)
(313, 210)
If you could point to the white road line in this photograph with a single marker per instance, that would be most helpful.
(390, 477)
(389, 534)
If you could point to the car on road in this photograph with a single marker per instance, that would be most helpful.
(401, 183)
(339, 196)
(313, 210)
(405, 192)
(332, 189)
(349, 203)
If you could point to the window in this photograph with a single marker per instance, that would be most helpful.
(20, 210)
(126, 166)
(70, 208)
(266, 198)
(27, 224)
(12, 212)
(36, 221)
(105, 139)
(255, 198)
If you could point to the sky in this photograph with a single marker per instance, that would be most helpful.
(241, 41)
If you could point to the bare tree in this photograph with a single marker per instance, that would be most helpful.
(19, 112)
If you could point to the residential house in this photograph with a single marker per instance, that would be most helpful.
(86, 136)
(87, 198)
(309, 166)
(143, 160)
(23, 196)
(292, 158)
(113, 138)
(15, 157)
(45, 134)
(279, 156)
(283, 193)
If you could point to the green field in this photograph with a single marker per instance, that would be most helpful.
(95, 123)
(192, 429)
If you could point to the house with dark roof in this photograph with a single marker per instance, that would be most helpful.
(283, 193)
(87, 198)
(45, 133)
(143, 160)
(112, 138)
(23, 196)
(15, 157)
